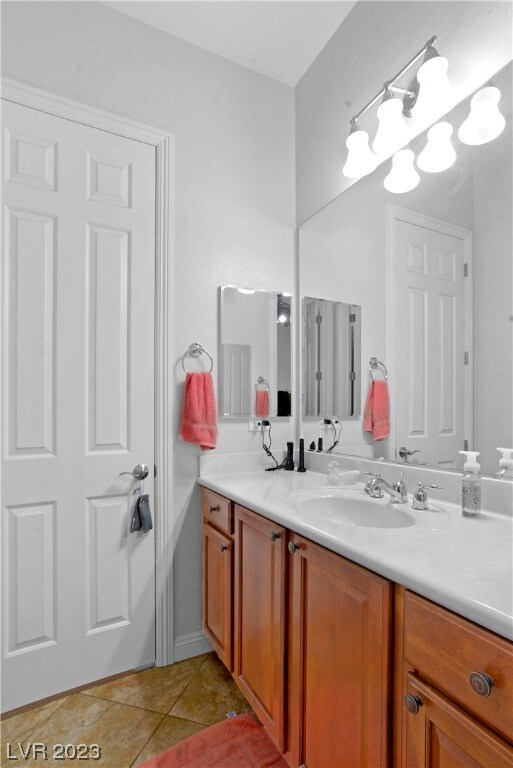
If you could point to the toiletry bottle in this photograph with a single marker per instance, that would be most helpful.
(289, 461)
(471, 485)
(506, 463)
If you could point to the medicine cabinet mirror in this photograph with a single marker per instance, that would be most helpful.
(331, 359)
(432, 270)
(255, 353)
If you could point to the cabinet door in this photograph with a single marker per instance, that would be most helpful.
(259, 614)
(218, 592)
(340, 647)
(440, 735)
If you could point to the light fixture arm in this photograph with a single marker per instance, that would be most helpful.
(390, 84)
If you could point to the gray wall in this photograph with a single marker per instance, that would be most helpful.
(372, 44)
(233, 215)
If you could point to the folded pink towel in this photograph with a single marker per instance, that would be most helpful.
(199, 417)
(262, 402)
(376, 417)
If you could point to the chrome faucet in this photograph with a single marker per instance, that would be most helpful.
(397, 491)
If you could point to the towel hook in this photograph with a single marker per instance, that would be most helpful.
(375, 364)
(195, 350)
(262, 382)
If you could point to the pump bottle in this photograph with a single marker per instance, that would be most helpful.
(506, 463)
(471, 485)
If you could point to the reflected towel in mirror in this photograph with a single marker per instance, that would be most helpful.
(377, 410)
(262, 403)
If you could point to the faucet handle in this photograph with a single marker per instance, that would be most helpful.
(420, 498)
(400, 487)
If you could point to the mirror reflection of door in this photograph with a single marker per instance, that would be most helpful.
(432, 321)
(331, 359)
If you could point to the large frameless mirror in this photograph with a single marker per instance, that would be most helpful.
(429, 259)
(255, 353)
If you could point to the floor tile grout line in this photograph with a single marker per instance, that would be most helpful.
(123, 704)
(189, 683)
(147, 741)
(45, 720)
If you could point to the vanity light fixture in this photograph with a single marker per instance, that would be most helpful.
(393, 132)
(484, 122)
(438, 154)
(430, 89)
(403, 177)
(360, 159)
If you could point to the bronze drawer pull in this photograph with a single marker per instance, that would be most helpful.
(293, 547)
(214, 509)
(481, 683)
(223, 547)
(273, 535)
(413, 703)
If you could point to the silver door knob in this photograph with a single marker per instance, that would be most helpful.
(404, 453)
(139, 472)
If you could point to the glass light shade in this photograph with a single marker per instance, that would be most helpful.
(485, 121)
(435, 90)
(403, 177)
(360, 159)
(393, 132)
(438, 154)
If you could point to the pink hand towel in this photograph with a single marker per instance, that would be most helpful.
(199, 417)
(376, 417)
(262, 403)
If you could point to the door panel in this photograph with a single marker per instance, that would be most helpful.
(441, 735)
(430, 343)
(78, 270)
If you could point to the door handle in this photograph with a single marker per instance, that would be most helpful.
(404, 453)
(139, 472)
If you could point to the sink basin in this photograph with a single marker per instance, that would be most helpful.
(353, 509)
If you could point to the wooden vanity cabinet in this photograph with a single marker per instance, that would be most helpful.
(441, 735)
(445, 721)
(260, 617)
(217, 582)
(339, 661)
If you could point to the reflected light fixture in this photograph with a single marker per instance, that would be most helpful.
(433, 90)
(403, 177)
(393, 132)
(485, 122)
(438, 154)
(427, 98)
(360, 159)
(248, 291)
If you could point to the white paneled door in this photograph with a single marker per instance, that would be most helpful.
(78, 407)
(430, 342)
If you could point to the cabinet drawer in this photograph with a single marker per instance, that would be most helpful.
(217, 511)
(446, 649)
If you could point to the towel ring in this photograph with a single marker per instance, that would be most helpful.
(195, 350)
(263, 381)
(375, 364)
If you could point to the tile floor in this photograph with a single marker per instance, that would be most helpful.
(131, 718)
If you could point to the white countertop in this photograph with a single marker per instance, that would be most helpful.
(464, 564)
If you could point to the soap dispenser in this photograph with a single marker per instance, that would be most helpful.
(471, 485)
(506, 463)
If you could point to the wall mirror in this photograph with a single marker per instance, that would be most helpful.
(330, 357)
(432, 271)
(255, 353)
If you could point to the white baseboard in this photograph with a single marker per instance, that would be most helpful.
(193, 644)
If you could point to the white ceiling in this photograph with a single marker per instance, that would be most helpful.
(278, 38)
